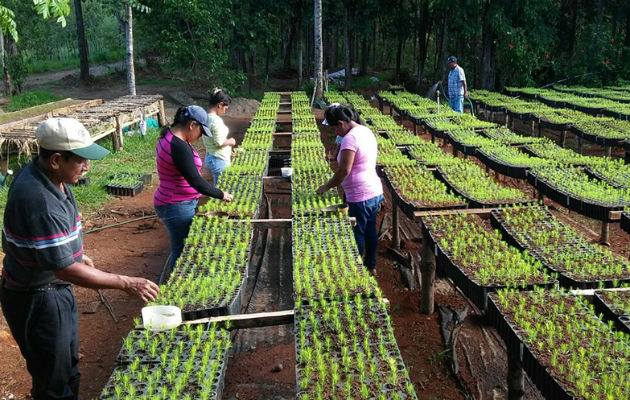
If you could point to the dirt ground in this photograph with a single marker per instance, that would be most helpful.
(141, 248)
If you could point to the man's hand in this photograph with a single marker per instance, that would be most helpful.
(322, 189)
(142, 288)
(227, 197)
(88, 261)
(231, 142)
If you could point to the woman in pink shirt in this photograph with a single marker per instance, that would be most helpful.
(357, 176)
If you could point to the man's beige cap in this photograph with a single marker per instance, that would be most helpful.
(68, 134)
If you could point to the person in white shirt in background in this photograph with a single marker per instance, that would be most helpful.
(218, 146)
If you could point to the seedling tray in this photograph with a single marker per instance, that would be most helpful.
(227, 307)
(600, 140)
(122, 190)
(126, 356)
(145, 178)
(82, 182)
(549, 387)
(600, 177)
(622, 322)
(409, 208)
(565, 280)
(335, 354)
(472, 203)
(459, 146)
(519, 116)
(584, 207)
(217, 382)
(477, 293)
(513, 171)
(553, 125)
(528, 150)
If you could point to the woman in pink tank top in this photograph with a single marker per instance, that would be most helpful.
(357, 176)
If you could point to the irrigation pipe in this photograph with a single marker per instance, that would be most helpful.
(120, 223)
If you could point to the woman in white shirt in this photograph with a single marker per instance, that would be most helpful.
(218, 146)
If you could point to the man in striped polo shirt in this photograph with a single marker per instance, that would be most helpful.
(42, 239)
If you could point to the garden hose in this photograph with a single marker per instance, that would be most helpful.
(120, 223)
(472, 108)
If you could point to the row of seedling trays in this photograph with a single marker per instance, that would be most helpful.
(189, 362)
(545, 253)
(344, 342)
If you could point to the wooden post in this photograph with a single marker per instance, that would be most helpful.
(454, 152)
(603, 239)
(395, 226)
(162, 114)
(563, 139)
(539, 130)
(117, 135)
(608, 151)
(579, 145)
(427, 269)
(532, 132)
(541, 196)
(415, 128)
(515, 381)
(507, 119)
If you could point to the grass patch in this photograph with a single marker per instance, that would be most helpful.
(30, 99)
(138, 155)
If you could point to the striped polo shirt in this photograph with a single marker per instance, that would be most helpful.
(173, 186)
(42, 230)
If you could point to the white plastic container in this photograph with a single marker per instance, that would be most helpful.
(286, 171)
(161, 318)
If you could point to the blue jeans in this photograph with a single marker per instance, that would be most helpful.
(177, 219)
(216, 165)
(457, 104)
(365, 230)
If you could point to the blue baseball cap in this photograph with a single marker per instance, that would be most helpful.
(198, 114)
(451, 59)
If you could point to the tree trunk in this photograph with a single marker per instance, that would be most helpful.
(288, 46)
(398, 57)
(8, 86)
(300, 60)
(444, 47)
(267, 60)
(374, 36)
(84, 64)
(346, 48)
(364, 56)
(252, 71)
(423, 39)
(487, 59)
(334, 51)
(318, 50)
(131, 73)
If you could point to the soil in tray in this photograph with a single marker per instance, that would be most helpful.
(617, 301)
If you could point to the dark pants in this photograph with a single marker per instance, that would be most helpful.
(45, 325)
(365, 233)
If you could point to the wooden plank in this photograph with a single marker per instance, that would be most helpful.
(283, 112)
(283, 134)
(243, 321)
(482, 212)
(615, 215)
(591, 292)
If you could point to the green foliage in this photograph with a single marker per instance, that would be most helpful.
(30, 99)
(7, 22)
(58, 9)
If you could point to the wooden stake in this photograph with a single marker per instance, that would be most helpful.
(515, 381)
(395, 226)
(162, 114)
(427, 269)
